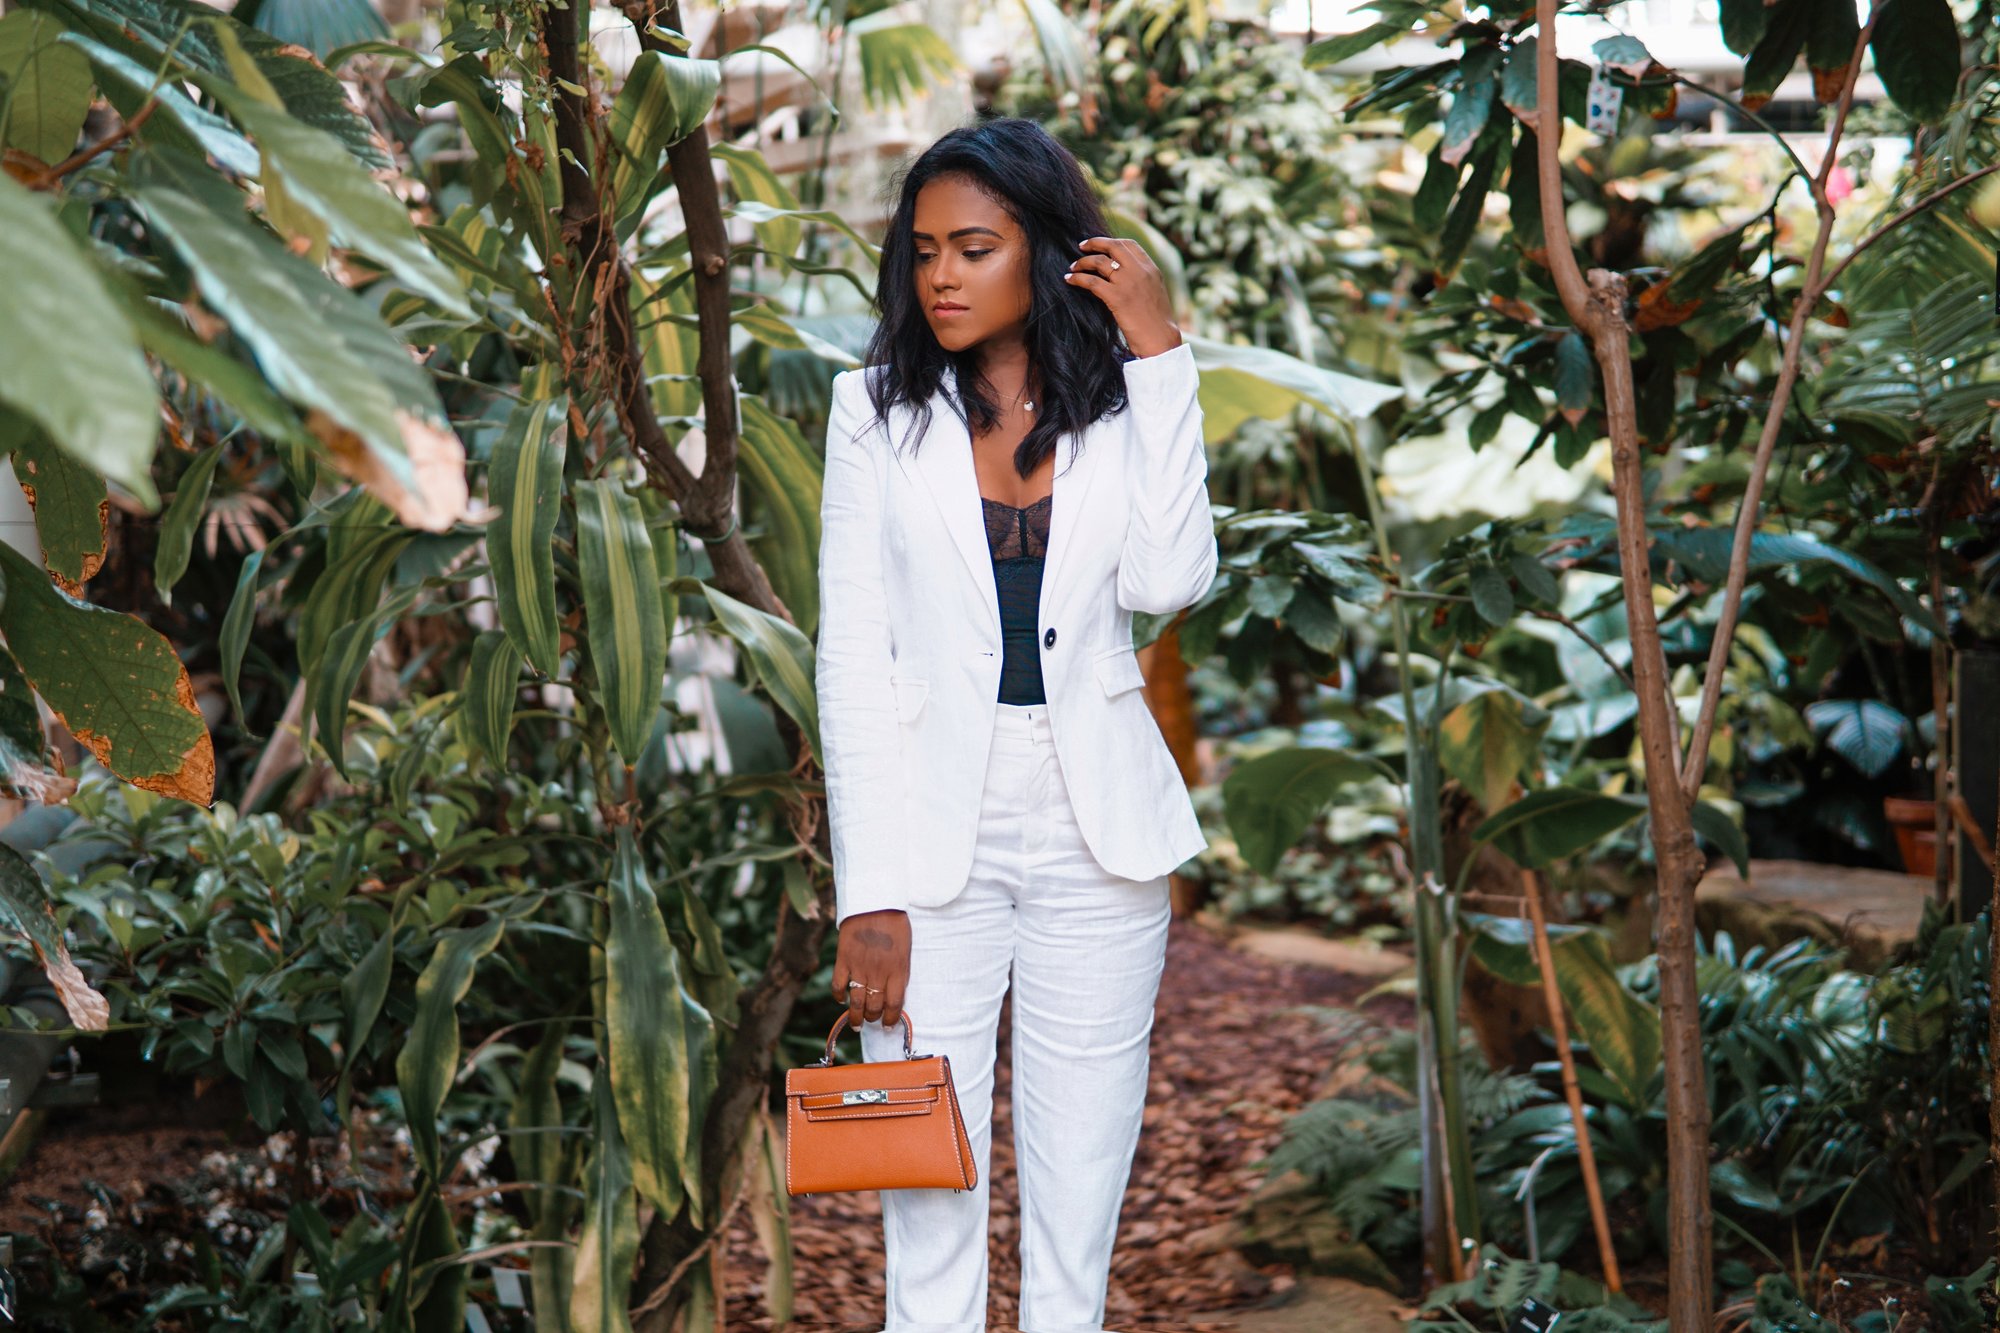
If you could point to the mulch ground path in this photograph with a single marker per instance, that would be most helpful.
(1231, 1058)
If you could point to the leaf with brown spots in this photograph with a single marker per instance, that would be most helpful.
(437, 495)
(29, 770)
(116, 682)
(71, 509)
(1658, 311)
(24, 903)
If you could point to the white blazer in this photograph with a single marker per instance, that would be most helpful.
(908, 669)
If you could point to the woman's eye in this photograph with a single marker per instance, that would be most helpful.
(977, 254)
(922, 258)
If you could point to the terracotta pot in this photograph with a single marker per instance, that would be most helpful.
(1915, 823)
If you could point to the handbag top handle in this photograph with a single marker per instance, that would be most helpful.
(909, 1037)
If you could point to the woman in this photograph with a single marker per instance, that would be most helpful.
(999, 795)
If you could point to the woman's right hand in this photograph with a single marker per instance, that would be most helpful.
(875, 951)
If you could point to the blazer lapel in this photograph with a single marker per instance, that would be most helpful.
(944, 460)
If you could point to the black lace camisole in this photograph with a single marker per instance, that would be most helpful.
(1018, 537)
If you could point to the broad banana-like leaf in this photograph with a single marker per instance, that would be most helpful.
(621, 601)
(1240, 382)
(525, 484)
(1489, 741)
(753, 181)
(114, 680)
(1270, 800)
(664, 99)
(899, 60)
(1547, 825)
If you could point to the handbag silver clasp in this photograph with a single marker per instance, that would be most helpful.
(863, 1096)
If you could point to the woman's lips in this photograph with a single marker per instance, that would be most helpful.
(949, 310)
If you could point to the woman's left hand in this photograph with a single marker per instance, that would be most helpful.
(1120, 273)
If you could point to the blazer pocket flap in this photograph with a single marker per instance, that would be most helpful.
(1119, 671)
(910, 694)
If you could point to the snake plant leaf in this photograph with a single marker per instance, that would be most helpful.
(545, 1156)
(69, 361)
(621, 602)
(72, 508)
(170, 559)
(114, 680)
(428, 1061)
(237, 623)
(330, 687)
(782, 656)
(753, 181)
(610, 1240)
(783, 473)
(488, 694)
(525, 484)
(646, 1031)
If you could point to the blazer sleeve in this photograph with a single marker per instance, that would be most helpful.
(859, 744)
(1170, 554)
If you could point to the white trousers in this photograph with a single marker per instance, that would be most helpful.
(1086, 949)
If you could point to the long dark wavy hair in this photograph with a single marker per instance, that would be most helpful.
(1074, 347)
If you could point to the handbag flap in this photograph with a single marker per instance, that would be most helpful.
(811, 1080)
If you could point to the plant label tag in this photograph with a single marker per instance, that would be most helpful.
(1603, 102)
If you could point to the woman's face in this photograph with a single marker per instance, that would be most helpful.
(971, 264)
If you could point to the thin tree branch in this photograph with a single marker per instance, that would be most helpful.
(1695, 762)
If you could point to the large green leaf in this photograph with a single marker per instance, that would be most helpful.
(663, 100)
(646, 1032)
(1547, 825)
(524, 483)
(114, 680)
(1867, 733)
(1271, 799)
(487, 697)
(1916, 49)
(751, 177)
(899, 60)
(1239, 382)
(273, 300)
(47, 86)
(71, 508)
(610, 1241)
(25, 906)
(69, 361)
(170, 558)
(147, 30)
(1778, 50)
(1622, 1031)
(321, 175)
(1472, 104)
(782, 656)
(177, 121)
(783, 472)
(669, 346)
(621, 602)
(1705, 551)
(428, 1061)
(25, 770)
(1489, 742)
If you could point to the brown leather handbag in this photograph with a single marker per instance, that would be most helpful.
(889, 1124)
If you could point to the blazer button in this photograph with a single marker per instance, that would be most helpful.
(1049, 639)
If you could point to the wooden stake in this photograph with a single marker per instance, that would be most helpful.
(1586, 1155)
